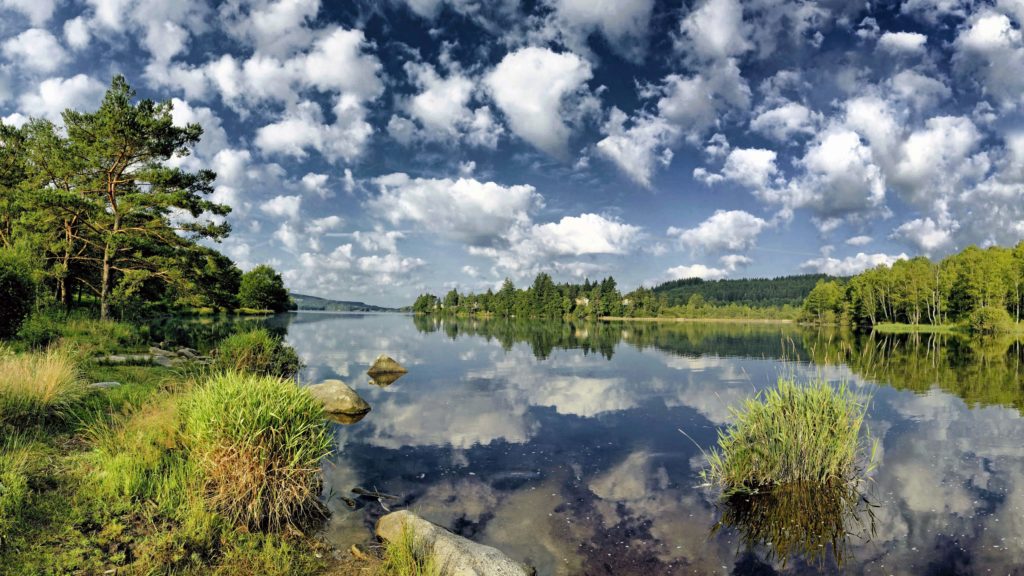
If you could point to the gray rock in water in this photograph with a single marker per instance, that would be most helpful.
(155, 351)
(126, 359)
(386, 365)
(338, 398)
(188, 353)
(163, 361)
(104, 385)
(457, 556)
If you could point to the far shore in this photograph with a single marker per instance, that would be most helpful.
(703, 320)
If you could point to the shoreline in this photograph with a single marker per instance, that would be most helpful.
(700, 320)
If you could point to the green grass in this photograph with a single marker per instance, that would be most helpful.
(404, 558)
(37, 387)
(259, 442)
(257, 352)
(898, 328)
(20, 459)
(792, 434)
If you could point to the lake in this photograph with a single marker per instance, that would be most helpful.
(560, 444)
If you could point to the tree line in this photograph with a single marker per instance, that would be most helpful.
(545, 299)
(752, 292)
(100, 212)
(981, 289)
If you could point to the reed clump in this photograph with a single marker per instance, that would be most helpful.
(404, 557)
(792, 435)
(257, 352)
(258, 441)
(34, 387)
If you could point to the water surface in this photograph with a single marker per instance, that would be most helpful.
(560, 444)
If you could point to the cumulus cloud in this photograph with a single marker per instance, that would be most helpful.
(902, 43)
(785, 121)
(467, 210)
(725, 230)
(730, 263)
(283, 206)
(623, 24)
(54, 95)
(36, 49)
(850, 265)
(584, 234)
(38, 12)
(531, 86)
(925, 234)
(641, 147)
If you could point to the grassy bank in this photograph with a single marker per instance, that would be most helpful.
(898, 328)
(189, 471)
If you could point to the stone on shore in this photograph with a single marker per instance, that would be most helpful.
(457, 556)
(338, 398)
(157, 351)
(386, 365)
(102, 385)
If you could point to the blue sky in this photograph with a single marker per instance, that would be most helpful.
(375, 150)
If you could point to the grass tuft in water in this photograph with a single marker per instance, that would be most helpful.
(34, 387)
(257, 352)
(404, 558)
(258, 441)
(792, 434)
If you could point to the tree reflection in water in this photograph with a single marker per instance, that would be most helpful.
(812, 523)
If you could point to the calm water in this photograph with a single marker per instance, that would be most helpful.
(560, 444)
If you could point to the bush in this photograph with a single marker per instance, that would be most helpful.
(258, 441)
(37, 386)
(39, 331)
(792, 434)
(257, 352)
(17, 293)
(989, 320)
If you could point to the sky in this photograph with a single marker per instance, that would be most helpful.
(374, 150)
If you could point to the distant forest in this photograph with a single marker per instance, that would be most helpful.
(753, 292)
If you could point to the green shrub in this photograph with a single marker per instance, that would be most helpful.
(263, 289)
(791, 435)
(989, 320)
(39, 331)
(37, 386)
(17, 293)
(258, 441)
(257, 352)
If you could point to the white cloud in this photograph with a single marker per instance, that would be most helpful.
(925, 234)
(751, 167)
(283, 206)
(38, 12)
(35, 49)
(584, 234)
(76, 33)
(851, 264)
(623, 24)
(841, 176)
(270, 26)
(903, 42)
(441, 107)
(859, 240)
(935, 161)
(730, 263)
(530, 86)
(785, 121)
(920, 91)
(990, 52)
(467, 210)
(54, 95)
(725, 230)
(639, 149)
(714, 30)
(303, 127)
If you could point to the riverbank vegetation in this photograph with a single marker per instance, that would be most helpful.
(977, 290)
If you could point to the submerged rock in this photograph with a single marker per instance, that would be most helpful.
(457, 556)
(346, 419)
(338, 398)
(386, 365)
(157, 351)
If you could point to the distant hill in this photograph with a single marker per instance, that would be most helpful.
(305, 302)
(750, 291)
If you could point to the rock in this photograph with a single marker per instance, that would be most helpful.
(386, 365)
(155, 351)
(338, 398)
(188, 353)
(104, 385)
(164, 361)
(126, 359)
(457, 556)
(346, 419)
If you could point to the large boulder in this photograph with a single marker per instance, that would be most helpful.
(455, 555)
(386, 365)
(338, 398)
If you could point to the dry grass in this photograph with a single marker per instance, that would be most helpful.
(37, 386)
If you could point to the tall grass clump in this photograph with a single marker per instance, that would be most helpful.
(258, 441)
(37, 386)
(789, 435)
(257, 352)
(19, 459)
(404, 557)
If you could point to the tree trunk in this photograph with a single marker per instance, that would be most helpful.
(105, 283)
